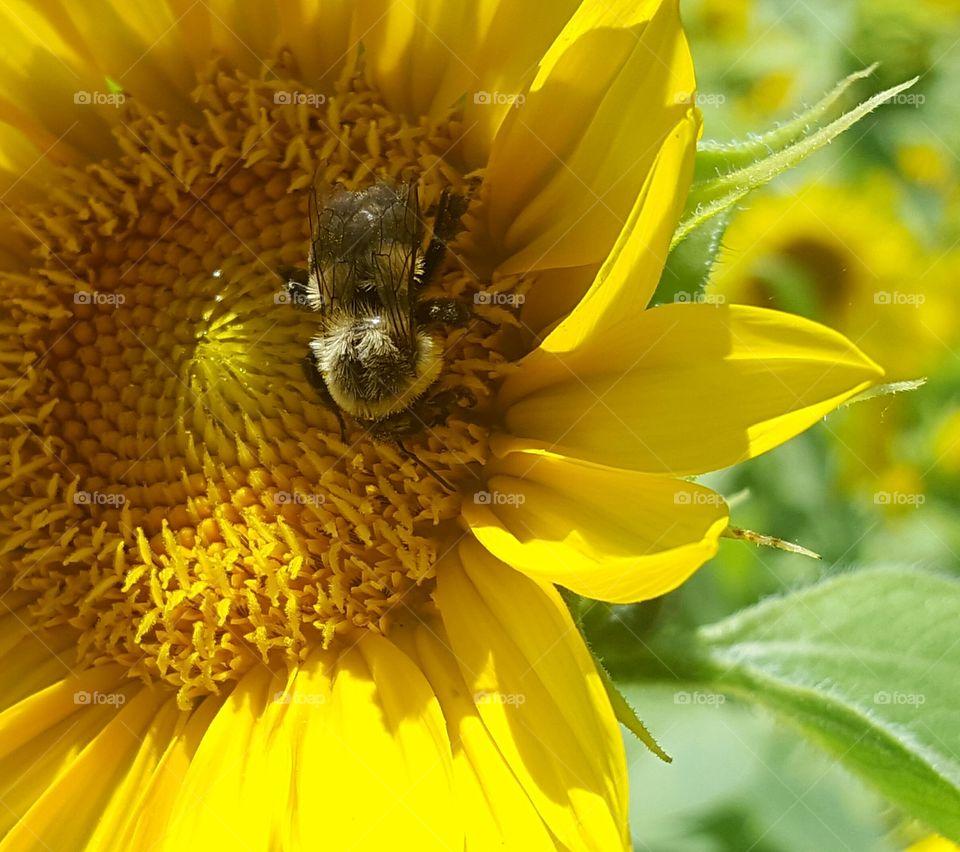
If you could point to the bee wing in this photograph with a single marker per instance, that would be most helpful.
(398, 260)
(332, 275)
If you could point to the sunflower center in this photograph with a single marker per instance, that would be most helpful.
(173, 485)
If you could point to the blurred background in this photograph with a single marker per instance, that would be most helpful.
(862, 237)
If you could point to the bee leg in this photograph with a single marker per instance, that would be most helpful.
(407, 423)
(450, 211)
(446, 226)
(393, 427)
(313, 376)
(451, 398)
(297, 281)
(408, 454)
(424, 414)
(442, 312)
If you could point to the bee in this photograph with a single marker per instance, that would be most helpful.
(374, 357)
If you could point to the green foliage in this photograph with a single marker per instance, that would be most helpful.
(728, 172)
(867, 665)
(744, 166)
(688, 265)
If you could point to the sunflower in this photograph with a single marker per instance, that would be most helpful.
(225, 624)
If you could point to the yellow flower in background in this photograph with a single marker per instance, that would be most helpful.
(946, 444)
(841, 254)
(729, 19)
(771, 93)
(927, 164)
(933, 843)
(749, 42)
(220, 623)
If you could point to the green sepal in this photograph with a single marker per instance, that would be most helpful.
(739, 168)
(627, 716)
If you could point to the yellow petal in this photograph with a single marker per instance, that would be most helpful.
(495, 810)
(627, 278)
(153, 50)
(539, 695)
(25, 169)
(151, 811)
(425, 56)
(605, 533)
(245, 34)
(129, 794)
(623, 284)
(136, 45)
(41, 736)
(554, 294)
(237, 786)
(505, 63)
(420, 54)
(682, 388)
(374, 749)
(318, 32)
(89, 785)
(58, 55)
(933, 843)
(31, 716)
(27, 772)
(567, 165)
(34, 661)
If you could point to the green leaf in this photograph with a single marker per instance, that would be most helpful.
(868, 665)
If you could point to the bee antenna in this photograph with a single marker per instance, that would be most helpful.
(411, 456)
